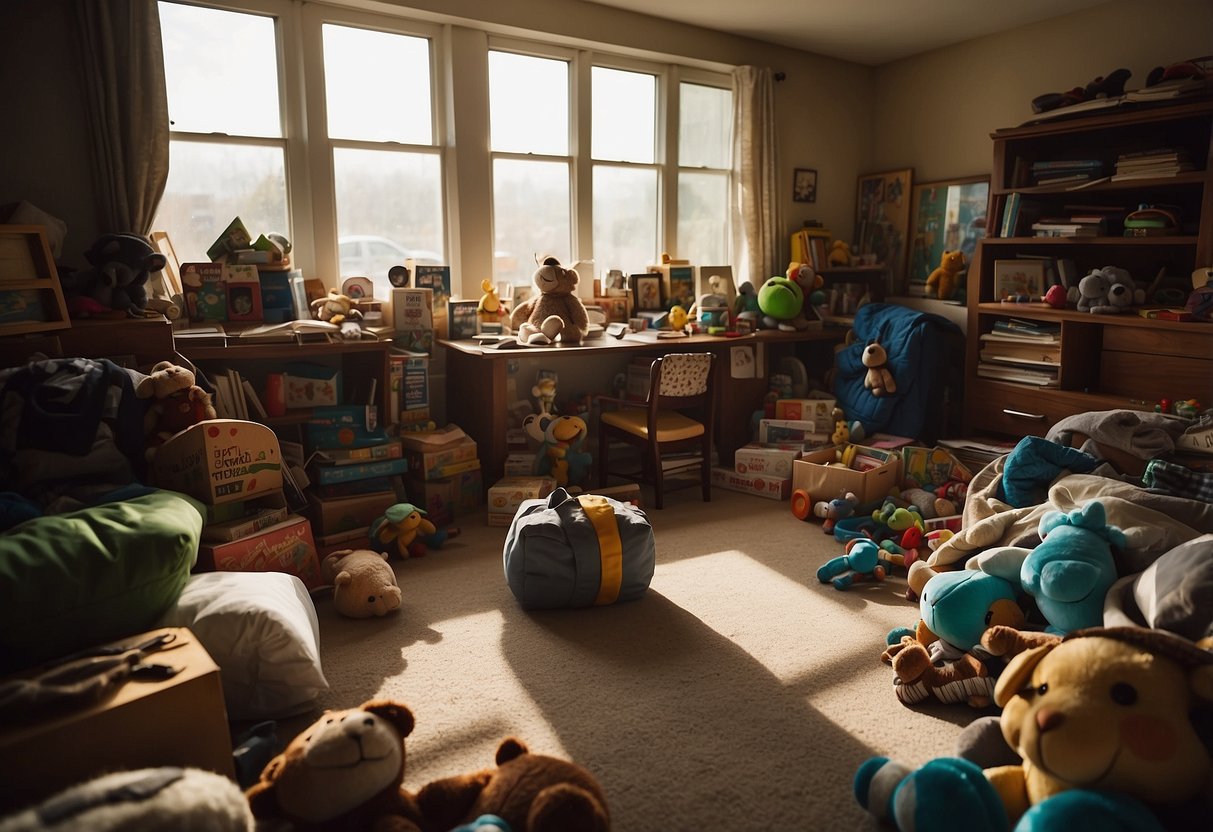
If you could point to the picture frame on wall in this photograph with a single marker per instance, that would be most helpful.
(804, 185)
(646, 289)
(944, 216)
(882, 220)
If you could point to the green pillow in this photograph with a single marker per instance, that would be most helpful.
(72, 580)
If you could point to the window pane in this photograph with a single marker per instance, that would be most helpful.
(221, 71)
(390, 202)
(530, 216)
(377, 86)
(625, 218)
(209, 184)
(703, 211)
(624, 115)
(528, 104)
(705, 126)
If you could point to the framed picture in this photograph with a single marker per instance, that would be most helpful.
(944, 216)
(1020, 278)
(882, 220)
(462, 321)
(716, 280)
(804, 185)
(646, 288)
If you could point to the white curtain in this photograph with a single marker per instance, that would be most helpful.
(122, 64)
(757, 237)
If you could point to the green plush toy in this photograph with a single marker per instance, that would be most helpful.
(780, 300)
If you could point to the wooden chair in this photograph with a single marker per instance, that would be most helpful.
(678, 383)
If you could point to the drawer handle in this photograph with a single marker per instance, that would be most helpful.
(1039, 417)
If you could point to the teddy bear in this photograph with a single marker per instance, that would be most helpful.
(344, 771)
(364, 585)
(177, 402)
(1104, 724)
(945, 279)
(335, 308)
(878, 378)
(1107, 291)
(529, 792)
(404, 530)
(556, 312)
(840, 253)
(121, 266)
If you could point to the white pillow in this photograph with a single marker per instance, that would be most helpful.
(262, 631)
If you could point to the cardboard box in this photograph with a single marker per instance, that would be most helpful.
(519, 464)
(814, 473)
(448, 498)
(311, 385)
(179, 721)
(220, 460)
(428, 462)
(785, 431)
(287, 547)
(818, 411)
(508, 493)
(773, 488)
(343, 514)
(767, 462)
(428, 440)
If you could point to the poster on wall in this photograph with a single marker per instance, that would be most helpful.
(882, 220)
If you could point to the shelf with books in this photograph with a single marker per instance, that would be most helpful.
(1097, 362)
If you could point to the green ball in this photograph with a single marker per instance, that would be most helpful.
(781, 298)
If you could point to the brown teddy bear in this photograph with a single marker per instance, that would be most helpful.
(342, 772)
(878, 379)
(555, 312)
(944, 279)
(177, 402)
(336, 308)
(364, 585)
(530, 792)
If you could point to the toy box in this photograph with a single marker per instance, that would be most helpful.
(773, 488)
(428, 462)
(519, 464)
(508, 493)
(447, 498)
(179, 721)
(815, 474)
(220, 460)
(818, 411)
(286, 547)
(764, 461)
(787, 431)
(343, 514)
(931, 467)
(344, 426)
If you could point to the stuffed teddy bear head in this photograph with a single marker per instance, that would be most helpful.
(556, 311)
(177, 402)
(121, 266)
(344, 771)
(364, 585)
(335, 308)
(944, 280)
(1108, 709)
(530, 792)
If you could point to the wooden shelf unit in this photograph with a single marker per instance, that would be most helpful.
(1107, 361)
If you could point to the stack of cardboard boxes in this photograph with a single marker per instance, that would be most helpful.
(765, 467)
(235, 468)
(444, 472)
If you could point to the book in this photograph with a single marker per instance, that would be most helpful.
(1026, 329)
(333, 474)
(1021, 376)
(1019, 278)
(286, 331)
(999, 358)
(355, 488)
(438, 280)
(205, 290)
(256, 409)
(1033, 348)
(1010, 214)
(347, 456)
(462, 321)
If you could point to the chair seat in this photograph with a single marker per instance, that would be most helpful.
(671, 427)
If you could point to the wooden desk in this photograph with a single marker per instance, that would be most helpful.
(477, 394)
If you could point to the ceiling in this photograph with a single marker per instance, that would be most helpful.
(871, 32)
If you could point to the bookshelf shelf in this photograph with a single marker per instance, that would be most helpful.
(1104, 362)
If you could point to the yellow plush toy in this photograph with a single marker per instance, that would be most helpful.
(945, 279)
(335, 308)
(840, 253)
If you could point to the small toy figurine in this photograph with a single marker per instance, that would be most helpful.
(861, 562)
(544, 392)
(404, 531)
(834, 510)
(491, 310)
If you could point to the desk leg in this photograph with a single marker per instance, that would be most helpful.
(476, 401)
(736, 401)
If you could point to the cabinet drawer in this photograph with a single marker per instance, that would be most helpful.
(1015, 409)
(1157, 342)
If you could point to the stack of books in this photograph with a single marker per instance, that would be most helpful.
(1027, 352)
(1158, 163)
(1066, 171)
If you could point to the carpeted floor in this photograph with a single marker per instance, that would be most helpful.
(739, 693)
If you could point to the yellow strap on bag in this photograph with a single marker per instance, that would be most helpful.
(610, 547)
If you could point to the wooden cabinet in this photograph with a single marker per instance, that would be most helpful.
(1106, 361)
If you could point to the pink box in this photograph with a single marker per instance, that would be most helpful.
(767, 462)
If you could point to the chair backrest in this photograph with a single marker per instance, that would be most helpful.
(683, 380)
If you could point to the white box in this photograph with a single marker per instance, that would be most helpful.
(773, 488)
(804, 433)
(818, 411)
(768, 462)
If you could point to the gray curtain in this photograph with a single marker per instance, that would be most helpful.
(122, 63)
(758, 238)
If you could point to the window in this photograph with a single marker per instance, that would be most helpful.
(704, 161)
(529, 136)
(626, 176)
(227, 152)
(387, 169)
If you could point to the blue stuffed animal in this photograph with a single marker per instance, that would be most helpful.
(957, 607)
(862, 562)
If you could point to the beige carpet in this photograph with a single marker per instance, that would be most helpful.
(738, 694)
